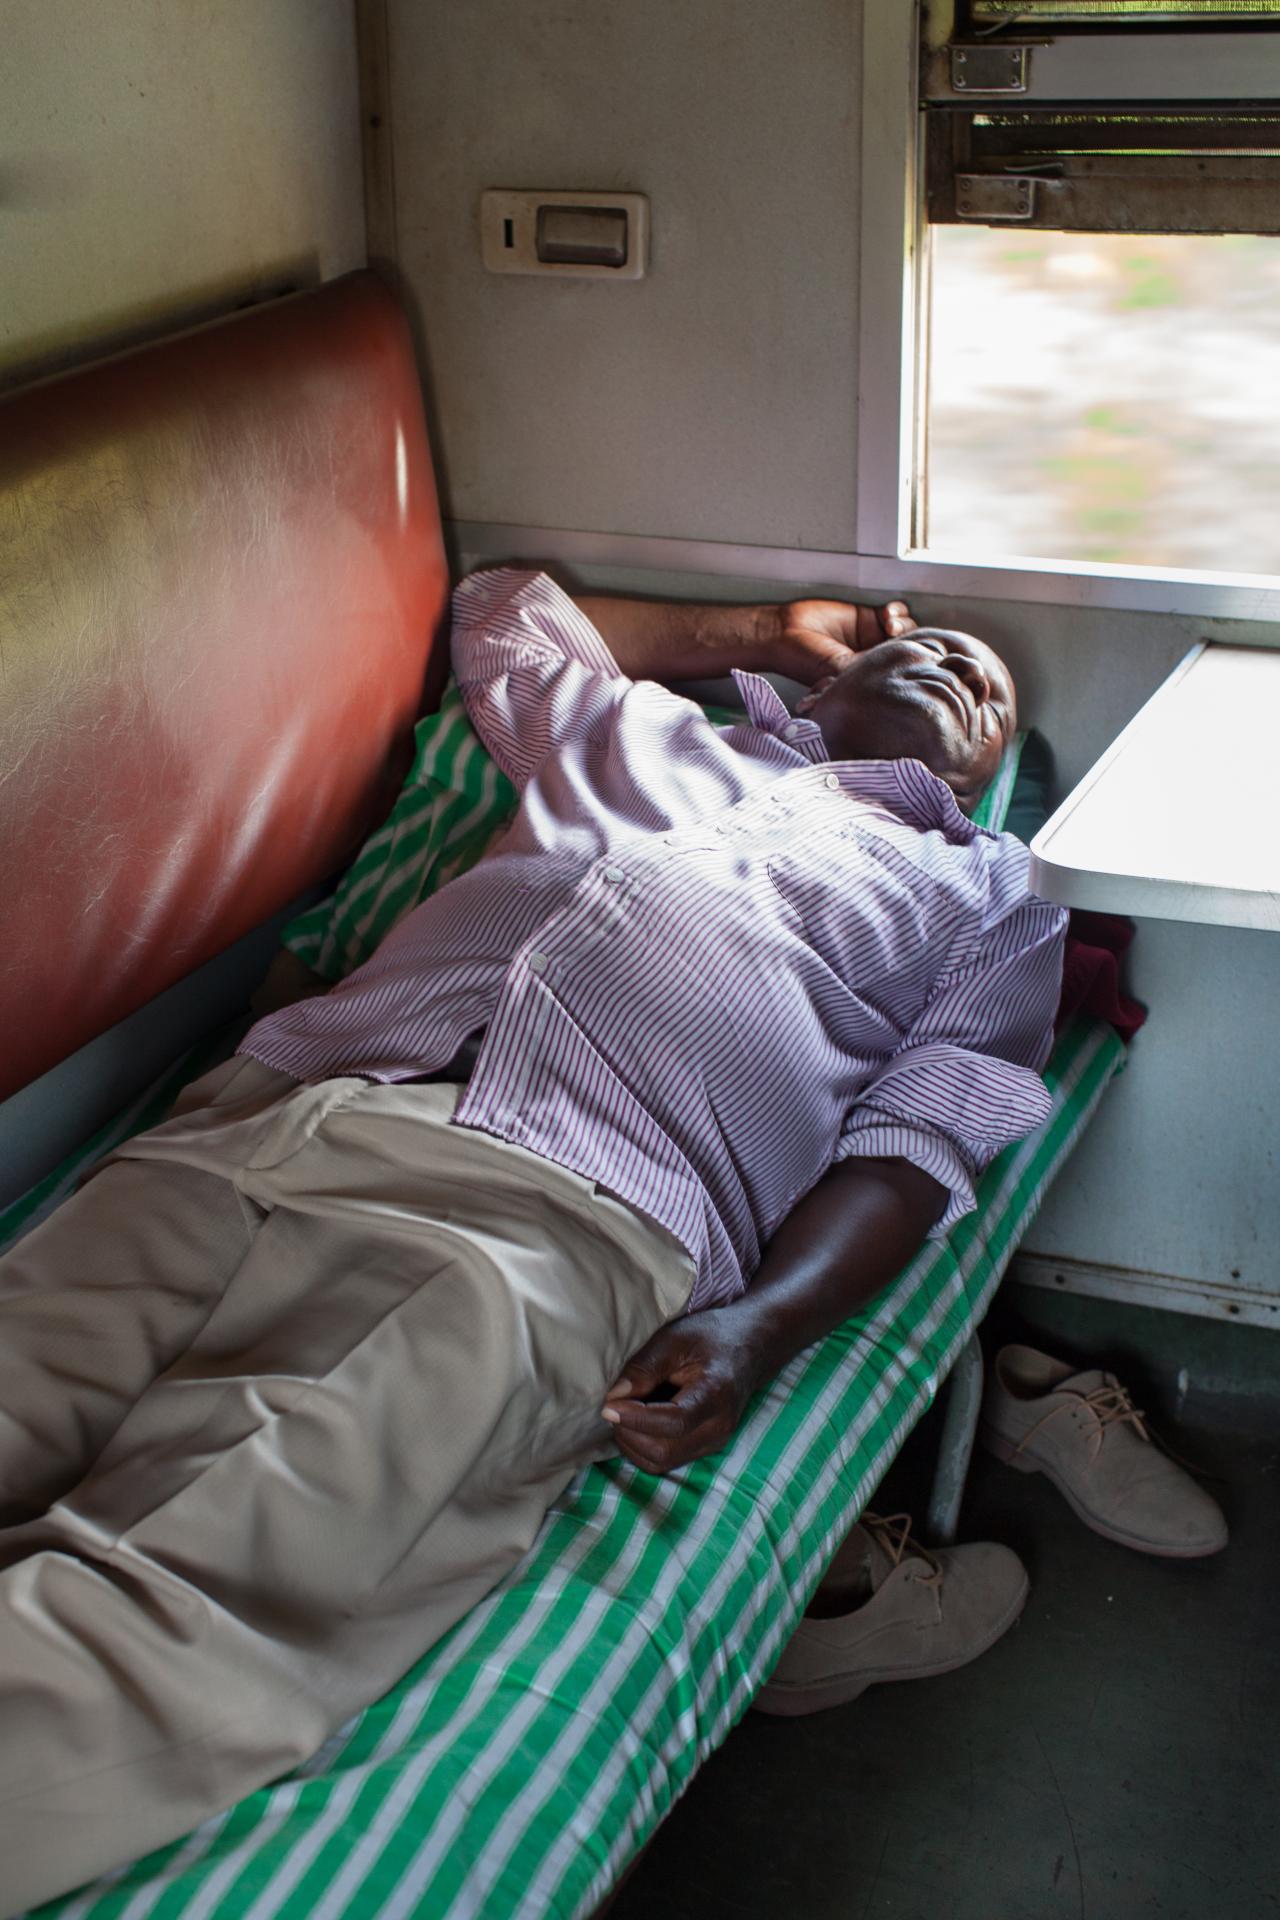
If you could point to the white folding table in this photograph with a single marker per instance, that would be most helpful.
(1180, 818)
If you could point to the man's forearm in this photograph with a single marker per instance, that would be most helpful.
(844, 1242)
(686, 1390)
(806, 640)
(667, 640)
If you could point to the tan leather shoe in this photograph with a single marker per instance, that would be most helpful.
(905, 1613)
(1083, 1431)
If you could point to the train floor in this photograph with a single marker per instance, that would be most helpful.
(1116, 1755)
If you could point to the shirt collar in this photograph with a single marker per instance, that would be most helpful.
(907, 787)
(767, 711)
(912, 791)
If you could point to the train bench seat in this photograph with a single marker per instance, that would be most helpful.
(233, 617)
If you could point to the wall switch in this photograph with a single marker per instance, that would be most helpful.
(583, 236)
(598, 236)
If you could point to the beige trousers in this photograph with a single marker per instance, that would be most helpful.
(285, 1389)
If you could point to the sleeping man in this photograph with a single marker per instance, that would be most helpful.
(608, 1129)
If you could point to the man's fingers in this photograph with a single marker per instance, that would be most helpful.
(665, 1420)
(868, 627)
(662, 1454)
(699, 1404)
(644, 1371)
(648, 1460)
(661, 1418)
(664, 1357)
(895, 618)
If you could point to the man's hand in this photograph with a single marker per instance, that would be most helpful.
(685, 1392)
(819, 638)
(704, 1369)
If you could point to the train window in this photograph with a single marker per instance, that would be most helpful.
(1103, 297)
(1090, 275)
(1104, 314)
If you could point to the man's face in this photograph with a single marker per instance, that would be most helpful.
(943, 698)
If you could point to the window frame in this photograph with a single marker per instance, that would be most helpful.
(893, 339)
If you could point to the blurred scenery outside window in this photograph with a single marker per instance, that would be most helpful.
(1105, 397)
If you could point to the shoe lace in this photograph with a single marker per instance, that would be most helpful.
(892, 1532)
(1111, 1405)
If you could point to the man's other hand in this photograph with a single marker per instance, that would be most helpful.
(818, 639)
(685, 1391)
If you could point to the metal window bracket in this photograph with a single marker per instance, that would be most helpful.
(996, 196)
(997, 69)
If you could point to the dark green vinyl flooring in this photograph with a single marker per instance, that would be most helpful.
(1117, 1754)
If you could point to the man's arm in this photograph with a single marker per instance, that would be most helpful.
(538, 668)
(847, 1239)
(963, 1084)
(804, 639)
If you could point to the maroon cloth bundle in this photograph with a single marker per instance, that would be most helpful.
(1096, 944)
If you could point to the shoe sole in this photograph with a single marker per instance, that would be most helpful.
(788, 1702)
(1005, 1450)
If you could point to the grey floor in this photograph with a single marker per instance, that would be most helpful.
(1116, 1754)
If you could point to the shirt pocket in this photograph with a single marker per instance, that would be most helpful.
(877, 921)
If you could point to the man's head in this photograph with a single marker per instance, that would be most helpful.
(944, 698)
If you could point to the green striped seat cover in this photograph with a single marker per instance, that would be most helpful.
(520, 1765)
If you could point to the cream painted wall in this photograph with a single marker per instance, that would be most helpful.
(714, 399)
(163, 160)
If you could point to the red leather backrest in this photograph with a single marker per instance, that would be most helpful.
(221, 572)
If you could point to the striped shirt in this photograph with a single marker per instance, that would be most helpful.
(708, 961)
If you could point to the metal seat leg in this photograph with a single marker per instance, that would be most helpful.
(959, 1429)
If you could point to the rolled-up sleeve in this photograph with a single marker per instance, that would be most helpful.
(533, 670)
(965, 1082)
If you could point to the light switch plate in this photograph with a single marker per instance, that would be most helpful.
(509, 232)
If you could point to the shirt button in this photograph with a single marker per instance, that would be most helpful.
(537, 963)
(614, 873)
(832, 780)
(793, 730)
